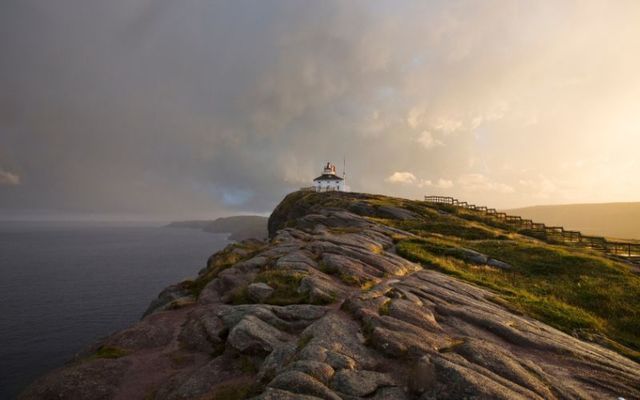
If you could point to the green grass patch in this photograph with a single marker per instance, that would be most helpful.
(451, 345)
(110, 352)
(240, 295)
(448, 226)
(353, 280)
(384, 308)
(285, 284)
(217, 263)
(575, 291)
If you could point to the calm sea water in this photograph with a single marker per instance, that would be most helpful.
(65, 285)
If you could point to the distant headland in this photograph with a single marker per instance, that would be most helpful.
(239, 227)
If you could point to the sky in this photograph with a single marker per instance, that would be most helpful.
(199, 108)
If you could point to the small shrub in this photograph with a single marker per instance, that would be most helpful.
(240, 295)
(110, 352)
(452, 345)
(351, 280)
(322, 300)
(285, 284)
(368, 284)
(218, 263)
(304, 341)
(180, 303)
(247, 365)
(384, 308)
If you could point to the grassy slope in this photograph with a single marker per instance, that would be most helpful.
(616, 220)
(575, 290)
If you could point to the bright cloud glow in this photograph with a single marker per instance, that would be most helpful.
(427, 140)
(480, 183)
(9, 178)
(401, 177)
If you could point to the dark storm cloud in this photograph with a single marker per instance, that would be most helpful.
(154, 106)
(187, 108)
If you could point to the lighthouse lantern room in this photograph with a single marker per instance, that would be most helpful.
(329, 181)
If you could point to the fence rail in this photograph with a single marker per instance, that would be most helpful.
(537, 229)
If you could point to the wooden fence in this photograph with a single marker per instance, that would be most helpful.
(539, 230)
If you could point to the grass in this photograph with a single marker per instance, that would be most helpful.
(218, 263)
(353, 280)
(110, 352)
(452, 345)
(384, 308)
(235, 391)
(575, 291)
(240, 295)
(449, 226)
(247, 365)
(179, 303)
(285, 286)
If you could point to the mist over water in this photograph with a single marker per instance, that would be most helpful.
(65, 285)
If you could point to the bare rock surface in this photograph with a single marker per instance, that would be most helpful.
(259, 292)
(345, 318)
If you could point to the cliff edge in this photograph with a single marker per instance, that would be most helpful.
(359, 296)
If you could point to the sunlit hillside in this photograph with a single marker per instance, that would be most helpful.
(617, 220)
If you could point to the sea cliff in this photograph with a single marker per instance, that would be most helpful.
(359, 296)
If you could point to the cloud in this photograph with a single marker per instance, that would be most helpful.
(540, 187)
(447, 125)
(444, 184)
(402, 177)
(9, 178)
(134, 106)
(409, 178)
(427, 141)
(480, 183)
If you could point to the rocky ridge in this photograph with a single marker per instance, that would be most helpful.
(326, 309)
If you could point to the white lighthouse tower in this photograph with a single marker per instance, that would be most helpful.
(329, 181)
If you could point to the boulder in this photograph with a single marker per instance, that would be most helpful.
(492, 262)
(301, 383)
(278, 394)
(275, 362)
(167, 296)
(396, 213)
(157, 330)
(97, 379)
(472, 256)
(319, 370)
(320, 289)
(259, 292)
(297, 260)
(360, 383)
(254, 336)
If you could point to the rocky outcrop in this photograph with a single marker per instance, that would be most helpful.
(327, 310)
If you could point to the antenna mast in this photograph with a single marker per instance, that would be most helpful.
(344, 167)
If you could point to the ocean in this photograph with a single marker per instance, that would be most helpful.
(65, 285)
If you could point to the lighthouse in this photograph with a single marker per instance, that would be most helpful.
(329, 181)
